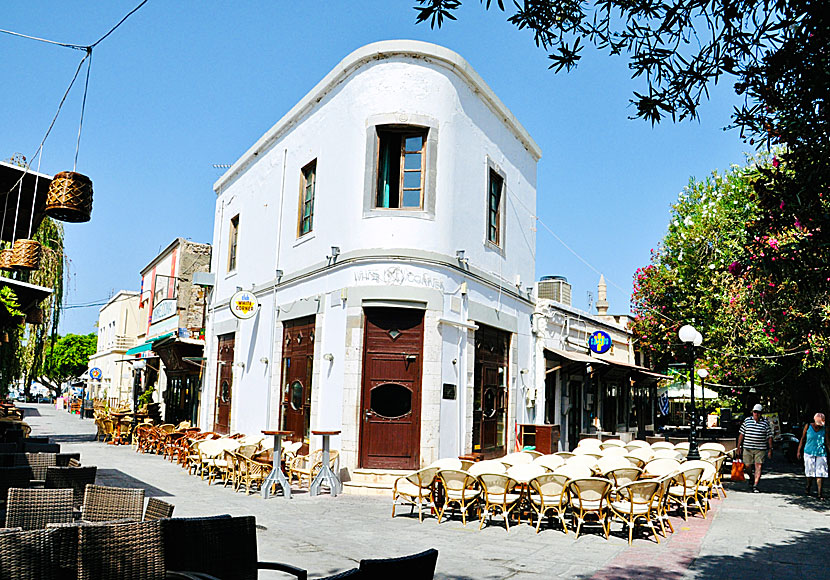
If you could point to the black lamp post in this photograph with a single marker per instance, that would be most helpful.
(693, 338)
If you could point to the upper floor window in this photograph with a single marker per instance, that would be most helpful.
(495, 186)
(307, 186)
(400, 179)
(233, 240)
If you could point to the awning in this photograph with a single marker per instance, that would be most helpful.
(28, 295)
(18, 199)
(576, 356)
(682, 391)
(140, 348)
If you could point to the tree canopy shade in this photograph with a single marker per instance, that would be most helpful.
(775, 50)
(69, 356)
(752, 290)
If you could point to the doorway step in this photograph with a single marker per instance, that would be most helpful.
(373, 481)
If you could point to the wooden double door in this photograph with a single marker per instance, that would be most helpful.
(391, 392)
(297, 368)
(224, 384)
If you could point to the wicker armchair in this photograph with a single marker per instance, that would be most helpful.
(120, 551)
(460, 489)
(221, 547)
(419, 566)
(252, 473)
(19, 477)
(684, 490)
(103, 503)
(74, 478)
(305, 467)
(39, 462)
(414, 490)
(63, 459)
(32, 509)
(29, 447)
(548, 493)
(589, 496)
(158, 509)
(635, 501)
(31, 555)
(499, 494)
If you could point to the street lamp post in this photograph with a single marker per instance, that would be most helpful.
(693, 338)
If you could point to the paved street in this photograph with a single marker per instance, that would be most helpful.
(775, 534)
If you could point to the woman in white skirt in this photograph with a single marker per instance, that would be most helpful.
(815, 446)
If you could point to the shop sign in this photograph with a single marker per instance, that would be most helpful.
(95, 374)
(397, 276)
(164, 309)
(244, 304)
(599, 342)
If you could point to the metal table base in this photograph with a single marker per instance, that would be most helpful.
(325, 475)
(276, 476)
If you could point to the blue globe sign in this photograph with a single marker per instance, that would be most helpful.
(95, 374)
(599, 342)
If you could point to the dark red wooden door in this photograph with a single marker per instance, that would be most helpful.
(297, 365)
(224, 385)
(391, 396)
(490, 391)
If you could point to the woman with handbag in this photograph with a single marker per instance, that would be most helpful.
(815, 446)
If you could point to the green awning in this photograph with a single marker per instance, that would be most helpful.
(161, 337)
(140, 348)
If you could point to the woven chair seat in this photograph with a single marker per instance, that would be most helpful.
(466, 494)
(626, 507)
(499, 497)
(548, 499)
(405, 487)
(589, 504)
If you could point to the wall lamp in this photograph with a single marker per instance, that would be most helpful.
(459, 255)
(335, 251)
(329, 357)
(278, 274)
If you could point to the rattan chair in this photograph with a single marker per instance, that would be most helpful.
(486, 466)
(19, 477)
(635, 501)
(623, 475)
(41, 447)
(63, 459)
(39, 462)
(158, 509)
(498, 493)
(74, 478)
(102, 503)
(610, 462)
(29, 555)
(420, 566)
(460, 489)
(414, 490)
(253, 473)
(121, 551)
(659, 503)
(305, 467)
(684, 491)
(32, 509)
(589, 497)
(574, 471)
(518, 458)
(549, 462)
(222, 547)
(661, 467)
(718, 462)
(548, 493)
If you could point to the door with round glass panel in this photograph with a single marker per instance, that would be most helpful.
(391, 396)
(297, 367)
(224, 384)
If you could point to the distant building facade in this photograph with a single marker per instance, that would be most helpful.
(118, 331)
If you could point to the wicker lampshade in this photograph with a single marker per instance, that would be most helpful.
(70, 197)
(26, 255)
(6, 259)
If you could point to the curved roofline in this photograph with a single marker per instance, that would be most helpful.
(377, 51)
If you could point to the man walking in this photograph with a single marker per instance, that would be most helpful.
(755, 441)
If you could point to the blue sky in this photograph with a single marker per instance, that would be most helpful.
(181, 86)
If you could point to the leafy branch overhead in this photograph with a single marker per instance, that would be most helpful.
(775, 51)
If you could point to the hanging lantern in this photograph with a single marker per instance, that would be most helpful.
(26, 255)
(35, 316)
(70, 197)
(6, 259)
(4, 337)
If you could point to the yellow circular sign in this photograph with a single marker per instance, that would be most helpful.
(244, 304)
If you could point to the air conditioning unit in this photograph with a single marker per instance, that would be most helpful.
(554, 288)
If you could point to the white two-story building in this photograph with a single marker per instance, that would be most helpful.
(384, 229)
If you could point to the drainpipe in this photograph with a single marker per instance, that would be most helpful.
(274, 300)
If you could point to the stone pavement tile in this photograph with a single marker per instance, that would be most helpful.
(772, 530)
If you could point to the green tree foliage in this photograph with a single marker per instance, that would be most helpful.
(69, 356)
(752, 295)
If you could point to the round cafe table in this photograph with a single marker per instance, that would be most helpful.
(276, 475)
(325, 475)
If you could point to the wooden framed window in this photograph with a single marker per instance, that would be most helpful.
(233, 240)
(308, 185)
(400, 180)
(495, 185)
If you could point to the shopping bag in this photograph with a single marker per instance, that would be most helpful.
(737, 470)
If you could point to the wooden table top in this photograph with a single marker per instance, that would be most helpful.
(325, 432)
(277, 432)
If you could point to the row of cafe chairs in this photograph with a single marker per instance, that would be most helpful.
(582, 485)
(208, 548)
(232, 459)
(37, 508)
